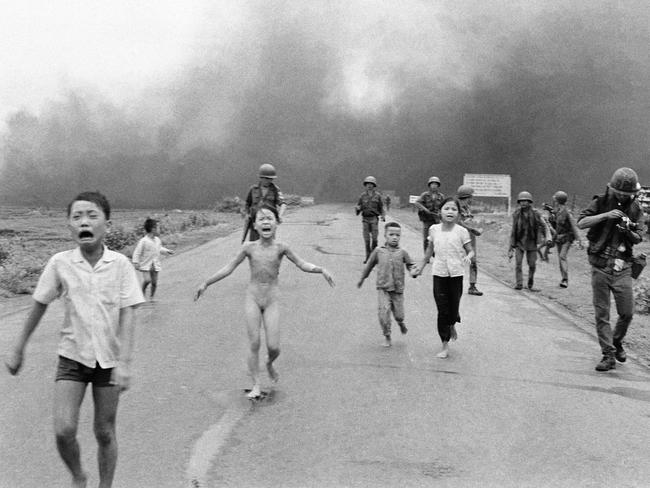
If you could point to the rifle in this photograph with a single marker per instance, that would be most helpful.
(247, 227)
(425, 209)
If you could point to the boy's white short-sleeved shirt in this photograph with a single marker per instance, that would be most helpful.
(92, 298)
(448, 249)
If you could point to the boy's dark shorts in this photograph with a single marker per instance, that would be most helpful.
(70, 370)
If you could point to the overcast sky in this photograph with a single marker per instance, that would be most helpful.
(536, 88)
(122, 47)
(115, 46)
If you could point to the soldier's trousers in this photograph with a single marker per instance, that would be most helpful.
(370, 234)
(620, 285)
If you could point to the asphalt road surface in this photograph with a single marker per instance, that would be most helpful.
(517, 403)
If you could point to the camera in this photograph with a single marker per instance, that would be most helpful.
(627, 224)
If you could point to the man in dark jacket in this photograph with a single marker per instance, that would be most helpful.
(612, 220)
(528, 231)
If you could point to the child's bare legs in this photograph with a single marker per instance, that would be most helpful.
(146, 279)
(272, 332)
(154, 281)
(68, 396)
(106, 401)
(253, 324)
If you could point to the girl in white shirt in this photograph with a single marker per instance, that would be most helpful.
(450, 245)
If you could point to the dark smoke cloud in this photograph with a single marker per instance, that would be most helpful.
(555, 94)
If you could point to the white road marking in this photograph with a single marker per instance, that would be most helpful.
(209, 444)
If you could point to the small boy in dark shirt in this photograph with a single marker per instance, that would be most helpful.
(390, 260)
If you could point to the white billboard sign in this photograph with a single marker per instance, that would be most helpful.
(489, 185)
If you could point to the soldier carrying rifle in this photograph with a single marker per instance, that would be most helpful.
(428, 205)
(264, 192)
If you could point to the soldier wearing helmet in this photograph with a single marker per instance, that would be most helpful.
(428, 204)
(565, 231)
(529, 230)
(466, 219)
(613, 222)
(371, 208)
(264, 192)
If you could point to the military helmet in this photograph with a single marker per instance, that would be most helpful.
(560, 197)
(524, 195)
(464, 191)
(267, 171)
(433, 179)
(370, 179)
(625, 180)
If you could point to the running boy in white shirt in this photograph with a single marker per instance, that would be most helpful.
(146, 256)
(99, 289)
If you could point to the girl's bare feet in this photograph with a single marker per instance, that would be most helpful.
(445, 351)
(255, 392)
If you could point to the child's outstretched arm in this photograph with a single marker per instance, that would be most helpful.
(308, 267)
(469, 252)
(372, 261)
(14, 360)
(223, 272)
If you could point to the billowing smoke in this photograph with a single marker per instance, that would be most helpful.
(557, 94)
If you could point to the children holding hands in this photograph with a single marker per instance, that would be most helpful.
(390, 260)
(451, 246)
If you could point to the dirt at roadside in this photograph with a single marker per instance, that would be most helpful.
(576, 300)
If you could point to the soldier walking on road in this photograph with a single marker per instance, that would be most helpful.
(371, 208)
(566, 231)
(528, 231)
(428, 205)
(267, 192)
(612, 220)
(464, 195)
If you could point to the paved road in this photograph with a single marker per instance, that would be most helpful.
(517, 404)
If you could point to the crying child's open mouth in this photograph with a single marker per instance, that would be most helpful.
(85, 234)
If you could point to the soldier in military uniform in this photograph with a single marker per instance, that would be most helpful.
(565, 232)
(613, 222)
(464, 195)
(528, 231)
(266, 191)
(371, 208)
(428, 205)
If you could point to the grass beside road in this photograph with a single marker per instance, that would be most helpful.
(576, 300)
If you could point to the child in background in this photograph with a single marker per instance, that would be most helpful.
(99, 290)
(261, 300)
(390, 260)
(146, 256)
(451, 245)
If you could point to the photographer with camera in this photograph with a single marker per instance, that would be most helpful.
(612, 220)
